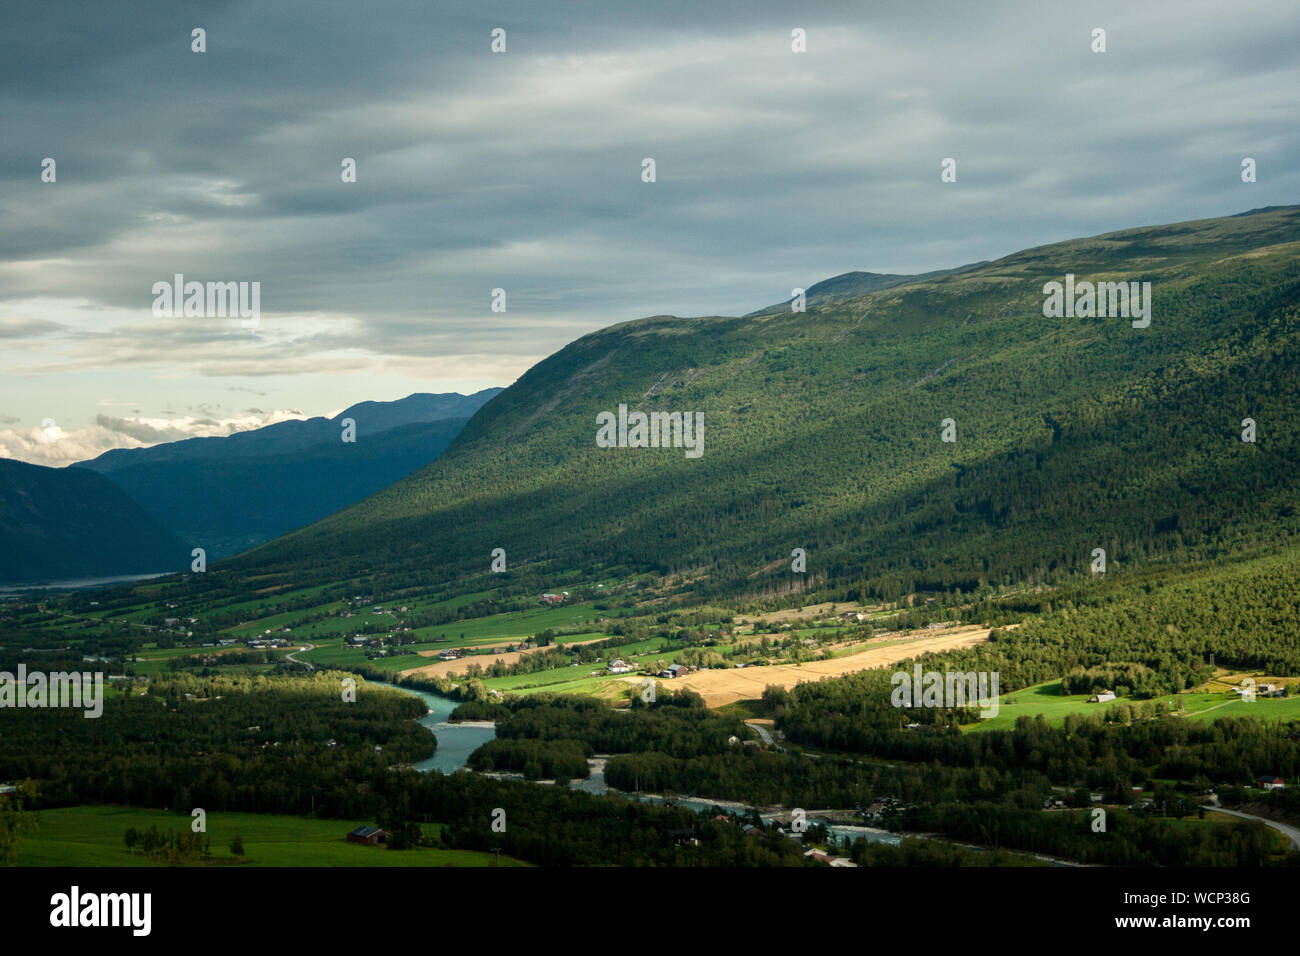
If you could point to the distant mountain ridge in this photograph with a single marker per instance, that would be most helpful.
(371, 418)
(62, 523)
(230, 493)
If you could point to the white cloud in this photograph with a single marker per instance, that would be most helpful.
(54, 446)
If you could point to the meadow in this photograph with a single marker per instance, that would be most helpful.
(93, 836)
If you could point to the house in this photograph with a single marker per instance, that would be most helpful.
(554, 599)
(370, 836)
(678, 670)
(1266, 688)
(1104, 697)
(684, 837)
(1272, 783)
(875, 810)
(448, 656)
(619, 666)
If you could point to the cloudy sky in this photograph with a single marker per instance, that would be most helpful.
(522, 170)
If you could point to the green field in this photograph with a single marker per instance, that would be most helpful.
(513, 625)
(1047, 699)
(93, 836)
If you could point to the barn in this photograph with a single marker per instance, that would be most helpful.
(370, 836)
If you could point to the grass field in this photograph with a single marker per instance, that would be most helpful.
(1047, 699)
(93, 836)
(512, 625)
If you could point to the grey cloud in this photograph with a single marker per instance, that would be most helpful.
(522, 171)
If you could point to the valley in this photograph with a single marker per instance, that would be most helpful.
(926, 472)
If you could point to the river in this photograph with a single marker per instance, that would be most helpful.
(455, 741)
(77, 584)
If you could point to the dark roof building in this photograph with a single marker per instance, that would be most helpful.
(368, 835)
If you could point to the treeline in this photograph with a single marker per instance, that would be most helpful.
(932, 853)
(559, 760)
(262, 745)
(1150, 635)
(675, 723)
(249, 743)
(1128, 840)
(170, 848)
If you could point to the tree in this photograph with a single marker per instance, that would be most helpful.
(14, 820)
(237, 845)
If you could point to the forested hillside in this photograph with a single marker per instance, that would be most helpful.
(61, 523)
(823, 431)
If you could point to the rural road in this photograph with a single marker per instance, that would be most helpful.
(1285, 829)
(1290, 832)
(306, 647)
(764, 735)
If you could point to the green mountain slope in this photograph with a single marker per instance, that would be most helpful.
(822, 431)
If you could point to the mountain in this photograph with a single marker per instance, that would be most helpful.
(824, 431)
(231, 493)
(371, 418)
(852, 285)
(63, 523)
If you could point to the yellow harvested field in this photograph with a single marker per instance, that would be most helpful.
(721, 687)
(447, 668)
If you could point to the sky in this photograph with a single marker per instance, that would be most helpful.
(523, 170)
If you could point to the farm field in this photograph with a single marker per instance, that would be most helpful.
(719, 687)
(1046, 699)
(554, 675)
(513, 625)
(93, 836)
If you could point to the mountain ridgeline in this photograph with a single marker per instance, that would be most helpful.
(230, 493)
(824, 431)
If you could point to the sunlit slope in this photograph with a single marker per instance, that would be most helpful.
(823, 431)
